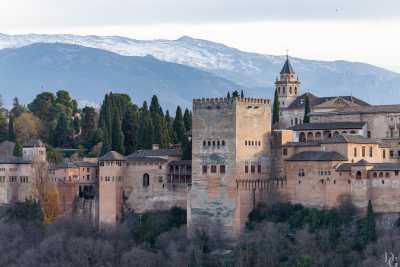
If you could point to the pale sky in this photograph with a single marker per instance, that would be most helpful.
(357, 30)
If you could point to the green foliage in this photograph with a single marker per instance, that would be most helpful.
(368, 226)
(17, 150)
(275, 109)
(148, 226)
(3, 122)
(28, 211)
(77, 125)
(61, 136)
(54, 155)
(179, 126)
(17, 108)
(89, 127)
(130, 128)
(117, 135)
(11, 129)
(307, 109)
(145, 128)
(235, 94)
(241, 94)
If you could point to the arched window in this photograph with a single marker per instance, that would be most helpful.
(336, 133)
(146, 180)
(295, 90)
(290, 90)
(310, 137)
(302, 137)
(318, 136)
(352, 132)
(358, 175)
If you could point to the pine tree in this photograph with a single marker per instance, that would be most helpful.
(61, 131)
(117, 135)
(275, 109)
(179, 126)
(88, 124)
(11, 129)
(307, 109)
(241, 94)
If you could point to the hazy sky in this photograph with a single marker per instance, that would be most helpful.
(359, 30)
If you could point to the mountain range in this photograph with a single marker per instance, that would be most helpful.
(92, 65)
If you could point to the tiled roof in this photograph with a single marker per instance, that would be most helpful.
(287, 67)
(349, 139)
(13, 160)
(314, 100)
(34, 143)
(362, 162)
(317, 156)
(362, 110)
(112, 155)
(328, 126)
(344, 167)
(386, 167)
(85, 164)
(157, 153)
(145, 159)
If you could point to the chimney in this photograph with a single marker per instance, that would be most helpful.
(155, 147)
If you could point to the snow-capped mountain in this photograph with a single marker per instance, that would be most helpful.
(250, 70)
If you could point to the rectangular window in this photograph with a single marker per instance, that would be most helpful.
(384, 153)
(285, 152)
(363, 151)
(259, 168)
(253, 169)
(246, 169)
(222, 168)
(355, 152)
(391, 154)
(213, 169)
(371, 152)
(204, 169)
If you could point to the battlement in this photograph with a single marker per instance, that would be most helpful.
(226, 101)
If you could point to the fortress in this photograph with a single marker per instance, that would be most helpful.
(349, 147)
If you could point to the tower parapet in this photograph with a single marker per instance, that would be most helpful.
(207, 103)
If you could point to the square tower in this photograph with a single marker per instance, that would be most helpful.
(230, 147)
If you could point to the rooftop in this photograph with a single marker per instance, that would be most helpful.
(287, 67)
(314, 100)
(328, 126)
(362, 110)
(317, 156)
(112, 155)
(13, 160)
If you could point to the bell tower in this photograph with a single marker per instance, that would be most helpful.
(287, 85)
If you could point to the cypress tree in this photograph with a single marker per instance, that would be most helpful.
(228, 95)
(17, 152)
(130, 128)
(156, 115)
(117, 135)
(179, 126)
(275, 109)
(169, 123)
(11, 129)
(187, 119)
(145, 128)
(3, 123)
(369, 225)
(307, 109)
(241, 94)
(88, 124)
(165, 139)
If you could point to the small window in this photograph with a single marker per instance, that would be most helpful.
(222, 168)
(213, 169)
(371, 151)
(355, 152)
(223, 142)
(391, 154)
(218, 143)
(259, 143)
(369, 134)
(396, 173)
(146, 180)
(259, 168)
(213, 142)
(253, 169)
(285, 152)
(209, 143)
(245, 143)
(204, 169)
(384, 153)
(363, 151)
(246, 169)
(204, 143)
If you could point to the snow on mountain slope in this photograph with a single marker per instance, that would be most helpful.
(251, 70)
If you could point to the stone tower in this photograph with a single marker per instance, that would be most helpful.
(287, 84)
(230, 160)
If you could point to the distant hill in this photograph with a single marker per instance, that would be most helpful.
(251, 70)
(89, 73)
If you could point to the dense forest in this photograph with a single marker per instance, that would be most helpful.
(118, 125)
(277, 235)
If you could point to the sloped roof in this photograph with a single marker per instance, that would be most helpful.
(172, 152)
(386, 167)
(34, 143)
(362, 162)
(344, 167)
(318, 156)
(314, 100)
(362, 110)
(349, 139)
(112, 155)
(328, 126)
(287, 67)
(138, 158)
(13, 160)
